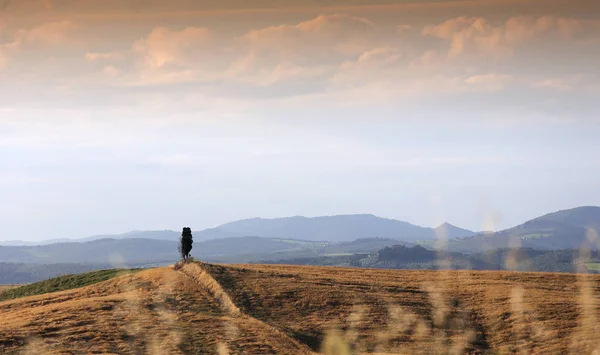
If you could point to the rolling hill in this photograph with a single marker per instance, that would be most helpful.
(582, 217)
(448, 231)
(565, 229)
(269, 309)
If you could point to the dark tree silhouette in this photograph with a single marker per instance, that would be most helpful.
(185, 243)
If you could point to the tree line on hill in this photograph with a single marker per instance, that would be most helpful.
(418, 257)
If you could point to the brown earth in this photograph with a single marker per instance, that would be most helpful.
(272, 309)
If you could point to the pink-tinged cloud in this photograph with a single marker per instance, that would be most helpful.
(52, 33)
(301, 51)
(370, 65)
(403, 28)
(166, 46)
(107, 56)
(488, 82)
(7, 50)
(315, 32)
(469, 34)
(47, 34)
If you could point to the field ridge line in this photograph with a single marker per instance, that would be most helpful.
(205, 279)
(201, 276)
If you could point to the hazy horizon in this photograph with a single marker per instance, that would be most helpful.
(175, 229)
(128, 115)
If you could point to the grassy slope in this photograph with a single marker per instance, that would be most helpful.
(4, 288)
(593, 266)
(284, 308)
(62, 283)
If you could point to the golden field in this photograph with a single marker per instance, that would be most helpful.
(278, 309)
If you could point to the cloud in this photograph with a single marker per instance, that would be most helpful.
(380, 56)
(164, 46)
(3, 59)
(250, 70)
(169, 56)
(111, 71)
(107, 56)
(52, 33)
(322, 25)
(488, 82)
(404, 28)
(339, 32)
(474, 34)
(261, 57)
(6, 50)
(371, 64)
(309, 50)
(9, 48)
(564, 84)
(323, 62)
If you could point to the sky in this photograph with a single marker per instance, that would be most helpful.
(140, 115)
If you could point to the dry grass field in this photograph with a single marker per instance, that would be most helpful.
(273, 309)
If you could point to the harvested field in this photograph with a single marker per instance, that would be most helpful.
(274, 309)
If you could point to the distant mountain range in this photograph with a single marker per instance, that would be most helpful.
(350, 240)
(342, 228)
(257, 238)
(335, 228)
